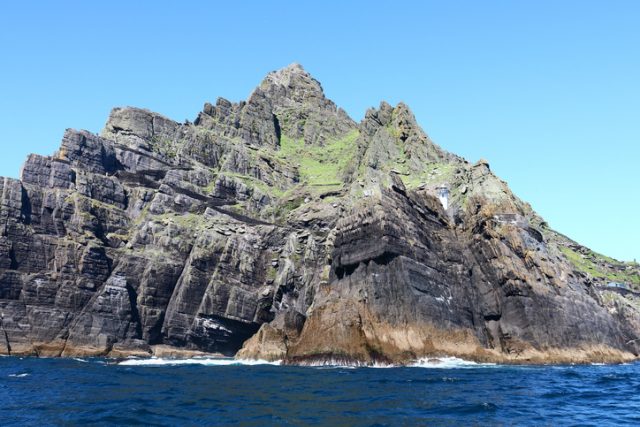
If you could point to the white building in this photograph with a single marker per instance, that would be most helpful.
(443, 195)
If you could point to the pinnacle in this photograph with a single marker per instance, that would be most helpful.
(294, 67)
(291, 76)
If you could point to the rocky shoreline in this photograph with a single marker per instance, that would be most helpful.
(595, 355)
(118, 352)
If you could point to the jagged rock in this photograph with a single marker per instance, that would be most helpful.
(278, 228)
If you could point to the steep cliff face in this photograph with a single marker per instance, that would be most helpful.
(279, 228)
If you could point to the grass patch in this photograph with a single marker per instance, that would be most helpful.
(164, 146)
(586, 265)
(272, 273)
(284, 207)
(320, 165)
(189, 220)
(255, 183)
(580, 263)
(433, 174)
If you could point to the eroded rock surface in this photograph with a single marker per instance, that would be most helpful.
(278, 228)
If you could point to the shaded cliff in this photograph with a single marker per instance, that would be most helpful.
(279, 228)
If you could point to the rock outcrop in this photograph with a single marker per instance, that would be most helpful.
(278, 228)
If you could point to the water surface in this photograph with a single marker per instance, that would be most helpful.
(220, 392)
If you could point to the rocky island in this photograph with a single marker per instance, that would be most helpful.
(278, 228)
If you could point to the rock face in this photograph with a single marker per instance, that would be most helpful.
(279, 228)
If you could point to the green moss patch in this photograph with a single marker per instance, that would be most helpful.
(255, 183)
(433, 174)
(585, 264)
(320, 165)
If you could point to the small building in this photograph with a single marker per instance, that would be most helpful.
(443, 195)
(617, 285)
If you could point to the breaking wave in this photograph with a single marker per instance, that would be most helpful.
(431, 362)
(447, 363)
(194, 361)
(426, 362)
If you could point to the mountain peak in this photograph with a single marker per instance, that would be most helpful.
(292, 82)
(298, 103)
(284, 75)
(294, 67)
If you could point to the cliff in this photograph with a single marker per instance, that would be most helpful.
(279, 228)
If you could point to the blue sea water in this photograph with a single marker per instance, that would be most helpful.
(221, 392)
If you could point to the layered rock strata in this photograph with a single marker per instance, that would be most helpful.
(279, 228)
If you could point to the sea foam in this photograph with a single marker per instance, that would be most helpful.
(194, 361)
(447, 363)
(431, 362)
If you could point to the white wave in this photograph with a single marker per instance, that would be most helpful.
(18, 375)
(77, 359)
(329, 366)
(427, 362)
(447, 363)
(332, 364)
(194, 361)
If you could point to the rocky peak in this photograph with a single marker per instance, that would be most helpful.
(300, 106)
(399, 121)
(292, 84)
(139, 128)
(376, 118)
(404, 121)
(395, 142)
(387, 115)
(289, 101)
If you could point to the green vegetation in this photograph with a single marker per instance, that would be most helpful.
(237, 208)
(433, 173)
(586, 264)
(610, 298)
(86, 203)
(164, 146)
(393, 130)
(292, 204)
(581, 263)
(256, 183)
(320, 165)
(212, 185)
(142, 216)
(188, 220)
(272, 273)
(285, 205)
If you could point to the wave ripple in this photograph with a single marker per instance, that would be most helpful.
(213, 391)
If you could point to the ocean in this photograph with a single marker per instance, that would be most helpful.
(209, 392)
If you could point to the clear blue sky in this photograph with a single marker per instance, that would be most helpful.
(547, 91)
